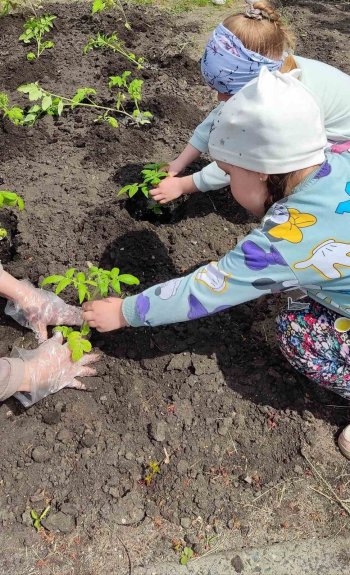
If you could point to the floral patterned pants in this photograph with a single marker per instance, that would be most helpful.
(311, 344)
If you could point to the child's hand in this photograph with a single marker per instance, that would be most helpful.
(174, 168)
(171, 188)
(105, 314)
(168, 189)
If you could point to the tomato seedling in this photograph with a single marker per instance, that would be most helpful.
(112, 42)
(96, 282)
(34, 30)
(101, 5)
(15, 114)
(53, 104)
(12, 200)
(152, 175)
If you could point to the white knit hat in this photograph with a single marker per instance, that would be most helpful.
(273, 125)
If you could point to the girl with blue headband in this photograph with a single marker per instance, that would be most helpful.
(234, 55)
(302, 242)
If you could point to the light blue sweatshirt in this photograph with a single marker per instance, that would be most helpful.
(302, 242)
(331, 89)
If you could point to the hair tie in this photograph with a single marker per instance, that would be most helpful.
(252, 12)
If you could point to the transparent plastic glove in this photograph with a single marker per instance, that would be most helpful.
(49, 368)
(36, 308)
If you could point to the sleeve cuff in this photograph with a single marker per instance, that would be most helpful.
(129, 312)
(11, 376)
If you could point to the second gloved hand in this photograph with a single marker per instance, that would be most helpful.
(50, 368)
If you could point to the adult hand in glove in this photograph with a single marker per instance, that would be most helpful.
(50, 368)
(36, 308)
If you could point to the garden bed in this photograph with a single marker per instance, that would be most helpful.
(211, 401)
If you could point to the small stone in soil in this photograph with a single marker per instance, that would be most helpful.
(65, 436)
(51, 417)
(158, 431)
(40, 454)
(59, 522)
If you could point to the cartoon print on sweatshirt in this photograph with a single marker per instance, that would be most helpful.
(257, 259)
(340, 148)
(168, 289)
(142, 306)
(325, 256)
(268, 284)
(283, 223)
(213, 278)
(197, 309)
(344, 207)
(324, 170)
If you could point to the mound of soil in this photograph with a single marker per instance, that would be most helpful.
(212, 401)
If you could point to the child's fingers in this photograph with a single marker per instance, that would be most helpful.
(158, 197)
(88, 316)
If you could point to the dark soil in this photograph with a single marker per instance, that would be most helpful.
(212, 401)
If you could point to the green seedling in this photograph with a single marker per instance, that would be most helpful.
(14, 113)
(186, 555)
(34, 30)
(152, 470)
(77, 342)
(53, 104)
(96, 282)
(112, 42)
(12, 200)
(7, 5)
(101, 5)
(37, 519)
(152, 175)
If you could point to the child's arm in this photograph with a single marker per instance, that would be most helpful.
(189, 155)
(253, 268)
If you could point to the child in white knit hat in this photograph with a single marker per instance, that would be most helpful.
(270, 140)
(233, 56)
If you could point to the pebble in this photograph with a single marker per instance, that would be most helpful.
(65, 436)
(158, 431)
(51, 417)
(59, 522)
(40, 454)
(185, 522)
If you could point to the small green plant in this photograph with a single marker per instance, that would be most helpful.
(186, 555)
(152, 175)
(53, 104)
(34, 30)
(37, 519)
(14, 113)
(152, 470)
(112, 42)
(101, 5)
(96, 282)
(11, 200)
(7, 5)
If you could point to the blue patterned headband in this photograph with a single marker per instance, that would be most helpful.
(227, 65)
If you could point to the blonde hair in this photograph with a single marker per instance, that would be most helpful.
(269, 36)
